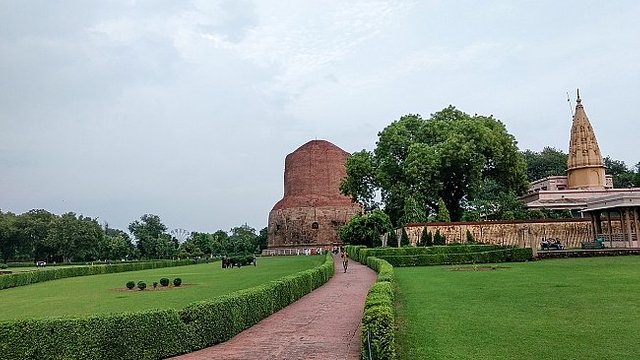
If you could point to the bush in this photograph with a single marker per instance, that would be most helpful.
(404, 238)
(155, 284)
(3, 266)
(131, 285)
(177, 282)
(470, 239)
(164, 282)
(492, 256)
(142, 285)
(363, 253)
(439, 239)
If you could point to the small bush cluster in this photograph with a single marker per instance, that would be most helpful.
(3, 266)
(32, 277)
(164, 282)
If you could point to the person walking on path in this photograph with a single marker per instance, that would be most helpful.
(345, 260)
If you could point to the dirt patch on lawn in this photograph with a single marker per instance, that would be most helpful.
(150, 288)
(477, 268)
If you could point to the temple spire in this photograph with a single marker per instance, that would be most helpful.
(584, 163)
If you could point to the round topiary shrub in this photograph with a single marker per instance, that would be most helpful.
(177, 282)
(142, 285)
(164, 282)
(155, 284)
(131, 285)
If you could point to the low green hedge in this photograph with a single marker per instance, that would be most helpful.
(40, 275)
(377, 327)
(157, 334)
(431, 250)
(354, 252)
(493, 256)
(144, 335)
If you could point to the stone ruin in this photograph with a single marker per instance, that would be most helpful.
(312, 209)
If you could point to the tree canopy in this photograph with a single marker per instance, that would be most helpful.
(548, 162)
(366, 229)
(448, 157)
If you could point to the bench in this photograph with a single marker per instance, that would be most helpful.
(592, 245)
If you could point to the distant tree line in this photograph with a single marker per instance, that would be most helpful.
(41, 235)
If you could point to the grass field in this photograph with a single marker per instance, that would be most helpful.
(99, 294)
(552, 309)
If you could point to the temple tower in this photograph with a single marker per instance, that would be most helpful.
(312, 209)
(585, 169)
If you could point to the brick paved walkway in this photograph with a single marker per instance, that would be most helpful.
(322, 325)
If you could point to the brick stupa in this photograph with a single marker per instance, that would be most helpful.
(312, 209)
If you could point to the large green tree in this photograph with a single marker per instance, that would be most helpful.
(74, 238)
(548, 162)
(623, 176)
(149, 231)
(448, 156)
(32, 229)
(9, 240)
(366, 229)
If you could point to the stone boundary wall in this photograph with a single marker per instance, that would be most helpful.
(521, 233)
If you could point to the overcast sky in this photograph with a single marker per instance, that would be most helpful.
(187, 109)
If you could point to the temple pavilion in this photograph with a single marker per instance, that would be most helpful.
(585, 180)
(587, 190)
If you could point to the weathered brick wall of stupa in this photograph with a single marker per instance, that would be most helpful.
(312, 209)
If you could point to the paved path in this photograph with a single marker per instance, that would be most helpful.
(322, 325)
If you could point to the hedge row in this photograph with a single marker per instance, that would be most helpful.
(438, 249)
(377, 339)
(40, 275)
(493, 256)
(157, 334)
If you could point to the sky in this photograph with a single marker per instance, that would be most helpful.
(187, 109)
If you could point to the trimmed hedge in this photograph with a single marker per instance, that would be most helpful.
(493, 256)
(157, 334)
(377, 339)
(438, 249)
(354, 252)
(441, 255)
(145, 335)
(41, 275)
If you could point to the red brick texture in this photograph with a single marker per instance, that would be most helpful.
(312, 208)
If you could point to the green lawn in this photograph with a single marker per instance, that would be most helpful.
(552, 309)
(99, 294)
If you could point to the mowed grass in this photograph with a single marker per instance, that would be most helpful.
(100, 294)
(552, 309)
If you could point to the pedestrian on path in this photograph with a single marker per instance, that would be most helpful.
(345, 260)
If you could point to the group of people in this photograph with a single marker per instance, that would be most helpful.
(551, 244)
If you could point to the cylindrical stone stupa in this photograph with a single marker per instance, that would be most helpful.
(312, 209)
